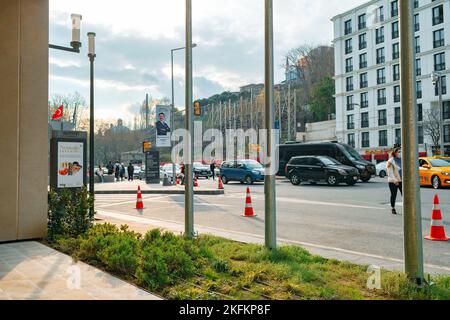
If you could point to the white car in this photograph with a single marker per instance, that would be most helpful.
(381, 169)
(167, 170)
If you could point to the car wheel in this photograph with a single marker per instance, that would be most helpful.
(295, 179)
(248, 180)
(224, 180)
(332, 180)
(436, 182)
(382, 174)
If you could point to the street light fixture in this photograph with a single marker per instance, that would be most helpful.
(75, 44)
(436, 79)
(91, 55)
(173, 104)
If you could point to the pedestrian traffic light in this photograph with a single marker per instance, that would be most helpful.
(197, 109)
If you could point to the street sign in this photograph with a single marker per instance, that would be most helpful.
(152, 174)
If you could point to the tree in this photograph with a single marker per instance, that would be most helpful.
(431, 126)
(322, 99)
(75, 108)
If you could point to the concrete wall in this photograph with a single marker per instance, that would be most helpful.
(23, 116)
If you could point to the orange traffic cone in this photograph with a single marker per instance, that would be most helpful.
(220, 184)
(139, 203)
(437, 232)
(249, 213)
(178, 181)
(195, 182)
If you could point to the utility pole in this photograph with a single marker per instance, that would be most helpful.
(189, 126)
(146, 112)
(295, 114)
(251, 109)
(412, 219)
(220, 117)
(269, 182)
(289, 112)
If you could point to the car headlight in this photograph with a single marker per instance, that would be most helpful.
(256, 172)
(446, 173)
(342, 171)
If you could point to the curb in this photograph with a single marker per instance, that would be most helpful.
(168, 192)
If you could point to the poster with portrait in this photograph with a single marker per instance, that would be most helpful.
(163, 129)
(70, 164)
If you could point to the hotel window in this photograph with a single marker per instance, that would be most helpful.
(438, 15)
(446, 108)
(350, 122)
(443, 86)
(365, 140)
(447, 133)
(395, 32)
(380, 56)
(418, 67)
(396, 72)
(348, 26)
(349, 65)
(394, 8)
(363, 82)
(439, 61)
(381, 95)
(416, 23)
(420, 135)
(382, 138)
(362, 41)
(363, 60)
(417, 44)
(398, 137)
(381, 76)
(438, 38)
(419, 112)
(395, 51)
(419, 89)
(348, 46)
(349, 82)
(416, 4)
(382, 119)
(364, 100)
(364, 120)
(379, 35)
(350, 104)
(398, 116)
(396, 94)
(351, 140)
(362, 22)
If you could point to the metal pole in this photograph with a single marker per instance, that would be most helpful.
(412, 219)
(174, 171)
(91, 130)
(269, 184)
(441, 116)
(189, 126)
(289, 112)
(146, 112)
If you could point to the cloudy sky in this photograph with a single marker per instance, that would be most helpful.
(134, 38)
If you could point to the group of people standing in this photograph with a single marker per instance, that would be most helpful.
(118, 170)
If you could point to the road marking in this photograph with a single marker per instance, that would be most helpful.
(157, 200)
(127, 202)
(160, 222)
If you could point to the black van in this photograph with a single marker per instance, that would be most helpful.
(339, 151)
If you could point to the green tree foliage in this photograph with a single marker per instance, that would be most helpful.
(322, 103)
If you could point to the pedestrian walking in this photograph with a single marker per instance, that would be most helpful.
(122, 172)
(117, 171)
(394, 169)
(130, 172)
(110, 168)
(213, 169)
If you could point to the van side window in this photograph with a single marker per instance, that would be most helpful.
(340, 156)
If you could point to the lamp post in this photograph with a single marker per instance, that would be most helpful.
(91, 55)
(173, 104)
(75, 44)
(436, 78)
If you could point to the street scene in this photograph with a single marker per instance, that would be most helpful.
(243, 153)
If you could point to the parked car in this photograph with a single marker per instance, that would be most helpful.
(201, 170)
(381, 169)
(167, 170)
(434, 172)
(320, 168)
(244, 171)
(338, 151)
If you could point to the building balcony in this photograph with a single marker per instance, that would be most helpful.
(438, 43)
(381, 60)
(361, 25)
(363, 45)
(379, 40)
(439, 66)
(395, 55)
(364, 104)
(381, 101)
(363, 84)
(350, 126)
(381, 80)
(364, 124)
(348, 50)
(438, 20)
(348, 68)
(349, 87)
(396, 98)
(382, 122)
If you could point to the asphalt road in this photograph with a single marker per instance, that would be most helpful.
(356, 218)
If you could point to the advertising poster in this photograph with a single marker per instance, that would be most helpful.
(163, 130)
(70, 164)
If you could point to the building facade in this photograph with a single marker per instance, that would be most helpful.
(367, 72)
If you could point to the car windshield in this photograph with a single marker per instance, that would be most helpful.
(351, 153)
(253, 165)
(439, 163)
(198, 164)
(170, 166)
(329, 161)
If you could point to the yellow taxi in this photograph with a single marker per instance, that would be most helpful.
(435, 172)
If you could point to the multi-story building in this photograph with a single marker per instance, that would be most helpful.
(367, 72)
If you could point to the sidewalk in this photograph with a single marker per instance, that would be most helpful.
(144, 224)
(33, 271)
(206, 187)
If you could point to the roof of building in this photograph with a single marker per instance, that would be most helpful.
(354, 9)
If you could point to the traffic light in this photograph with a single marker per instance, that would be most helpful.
(147, 146)
(197, 109)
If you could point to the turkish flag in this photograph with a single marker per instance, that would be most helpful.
(58, 113)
